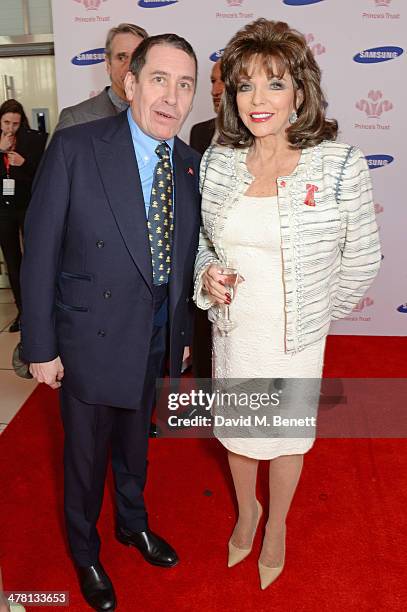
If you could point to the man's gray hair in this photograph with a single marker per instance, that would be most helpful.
(123, 28)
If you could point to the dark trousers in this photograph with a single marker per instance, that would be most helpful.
(202, 345)
(90, 430)
(11, 223)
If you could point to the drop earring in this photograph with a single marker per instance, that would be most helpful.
(292, 118)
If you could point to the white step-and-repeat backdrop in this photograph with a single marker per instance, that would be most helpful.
(361, 46)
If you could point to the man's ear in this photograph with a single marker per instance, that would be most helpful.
(108, 66)
(129, 81)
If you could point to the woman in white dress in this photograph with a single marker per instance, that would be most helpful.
(292, 211)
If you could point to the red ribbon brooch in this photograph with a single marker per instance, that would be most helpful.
(309, 198)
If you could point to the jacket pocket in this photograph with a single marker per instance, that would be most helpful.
(75, 276)
(69, 308)
(74, 291)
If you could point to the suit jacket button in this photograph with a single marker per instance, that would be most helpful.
(187, 300)
(101, 333)
(107, 294)
(100, 244)
(182, 333)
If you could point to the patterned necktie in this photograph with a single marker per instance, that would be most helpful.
(160, 216)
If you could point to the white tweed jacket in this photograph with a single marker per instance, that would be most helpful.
(329, 237)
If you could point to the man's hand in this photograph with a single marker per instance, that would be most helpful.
(213, 282)
(49, 372)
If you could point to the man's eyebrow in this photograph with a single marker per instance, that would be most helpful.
(163, 73)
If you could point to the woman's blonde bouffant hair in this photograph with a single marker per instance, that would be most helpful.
(283, 49)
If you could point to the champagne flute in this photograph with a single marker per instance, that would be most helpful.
(231, 278)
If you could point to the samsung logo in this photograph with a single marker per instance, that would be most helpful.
(402, 308)
(377, 54)
(216, 55)
(378, 161)
(87, 58)
(156, 3)
(300, 2)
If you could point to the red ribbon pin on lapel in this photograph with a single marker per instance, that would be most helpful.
(309, 198)
(190, 171)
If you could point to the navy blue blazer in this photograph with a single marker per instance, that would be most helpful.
(86, 272)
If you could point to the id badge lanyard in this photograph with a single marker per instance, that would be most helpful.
(8, 183)
(7, 165)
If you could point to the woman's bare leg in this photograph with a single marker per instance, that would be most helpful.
(244, 474)
(284, 475)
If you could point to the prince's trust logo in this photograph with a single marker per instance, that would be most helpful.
(374, 106)
(360, 307)
(378, 10)
(235, 14)
(91, 5)
(316, 47)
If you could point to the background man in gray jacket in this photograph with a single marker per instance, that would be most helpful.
(120, 44)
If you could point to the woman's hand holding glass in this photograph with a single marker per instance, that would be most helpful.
(221, 284)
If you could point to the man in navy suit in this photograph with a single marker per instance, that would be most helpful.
(99, 310)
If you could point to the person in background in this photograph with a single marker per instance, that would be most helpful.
(106, 294)
(292, 212)
(120, 44)
(201, 137)
(202, 133)
(20, 152)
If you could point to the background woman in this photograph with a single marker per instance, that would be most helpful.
(292, 210)
(20, 153)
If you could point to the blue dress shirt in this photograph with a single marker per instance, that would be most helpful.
(144, 148)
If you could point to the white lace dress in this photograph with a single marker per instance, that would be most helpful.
(255, 348)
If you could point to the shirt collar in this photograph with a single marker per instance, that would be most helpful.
(145, 145)
(116, 100)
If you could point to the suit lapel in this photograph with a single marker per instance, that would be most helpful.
(118, 170)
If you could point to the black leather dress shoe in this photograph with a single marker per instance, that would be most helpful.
(97, 587)
(15, 326)
(154, 549)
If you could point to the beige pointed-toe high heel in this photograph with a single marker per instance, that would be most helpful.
(236, 555)
(269, 574)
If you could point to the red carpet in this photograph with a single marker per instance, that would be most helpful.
(346, 529)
